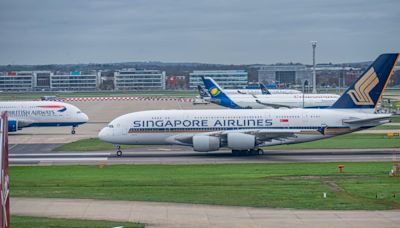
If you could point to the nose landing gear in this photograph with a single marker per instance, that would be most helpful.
(119, 151)
(73, 130)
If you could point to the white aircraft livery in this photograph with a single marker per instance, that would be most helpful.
(263, 90)
(22, 114)
(245, 130)
(246, 101)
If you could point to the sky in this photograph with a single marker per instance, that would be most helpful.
(206, 31)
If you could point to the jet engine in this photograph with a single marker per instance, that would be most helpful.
(204, 143)
(12, 126)
(241, 141)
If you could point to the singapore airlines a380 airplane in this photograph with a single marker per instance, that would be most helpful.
(22, 114)
(245, 130)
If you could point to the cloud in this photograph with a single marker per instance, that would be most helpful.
(214, 31)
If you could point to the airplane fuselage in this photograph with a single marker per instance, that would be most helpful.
(43, 113)
(168, 126)
(284, 100)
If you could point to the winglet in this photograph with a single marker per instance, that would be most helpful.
(366, 92)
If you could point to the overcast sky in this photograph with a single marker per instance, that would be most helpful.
(208, 31)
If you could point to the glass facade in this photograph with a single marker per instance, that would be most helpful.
(139, 80)
(74, 82)
(288, 74)
(229, 79)
(16, 82)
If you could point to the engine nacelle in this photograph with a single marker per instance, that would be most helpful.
(240, 141)
(204, 143)
(12, 126)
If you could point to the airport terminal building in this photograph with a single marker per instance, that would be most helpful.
(19, 81)
(229, 79)
(285, 74)
(74, 81)
(16, 81)
(135, 79)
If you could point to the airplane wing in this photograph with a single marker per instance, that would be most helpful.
(368, 120)
(273, 105)
(262, 135)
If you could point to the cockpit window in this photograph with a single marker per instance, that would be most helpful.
(78, 112)
(111, 126)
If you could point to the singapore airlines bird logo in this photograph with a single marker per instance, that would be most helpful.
(360, 93)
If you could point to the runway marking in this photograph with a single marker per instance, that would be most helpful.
(135, 98)
(55, 159)
(61, 154)
(10, 148)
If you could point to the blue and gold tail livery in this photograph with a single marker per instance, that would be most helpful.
(202, 92)
(367, 90)
(217, 94)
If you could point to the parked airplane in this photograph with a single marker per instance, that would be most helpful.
(263, 90)
(22, 114)
(244, 131)
(218, 96)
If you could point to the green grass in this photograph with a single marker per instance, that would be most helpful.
(296, 185)
(349, 141)
(92, 144)
(40, 222)
(395, 119)
(386, 127)
(37, 95)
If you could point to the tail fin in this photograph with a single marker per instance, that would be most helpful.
(202, 92)
(218, 96)
(367, 90)
(264, 89)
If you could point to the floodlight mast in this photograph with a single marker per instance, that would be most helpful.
(314, 46)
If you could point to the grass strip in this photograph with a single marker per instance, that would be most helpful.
(294, 185)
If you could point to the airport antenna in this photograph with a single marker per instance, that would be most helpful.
(314, 46)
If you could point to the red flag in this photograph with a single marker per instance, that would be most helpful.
(283, 120)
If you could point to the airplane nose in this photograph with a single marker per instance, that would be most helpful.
(104, 134)
(85, 117)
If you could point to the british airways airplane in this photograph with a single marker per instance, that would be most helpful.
(246, 101)
(22, 114)
(246, 130)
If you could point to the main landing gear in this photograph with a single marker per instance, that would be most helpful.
(73, 130)
(248, 152)
(119, 151)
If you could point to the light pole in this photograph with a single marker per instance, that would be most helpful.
(314, 45)
(304, 86)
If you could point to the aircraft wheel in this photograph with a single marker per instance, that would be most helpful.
(73, 132)
(235, 152)
(260, 151)
(119, 153)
